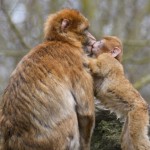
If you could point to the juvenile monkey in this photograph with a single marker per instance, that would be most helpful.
(117, 93)
(48, 103)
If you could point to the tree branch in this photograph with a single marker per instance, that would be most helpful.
(14, 28)
(142, 82)
(12, 53)
(137, 43)
(145, 60)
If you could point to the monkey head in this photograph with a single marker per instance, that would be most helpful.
(109, 44)
(70, 26)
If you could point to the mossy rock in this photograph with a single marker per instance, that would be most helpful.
(106, 134)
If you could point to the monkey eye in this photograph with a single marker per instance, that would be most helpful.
(86, 29)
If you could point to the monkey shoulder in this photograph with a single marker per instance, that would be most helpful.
(52, 52)
(50, 59)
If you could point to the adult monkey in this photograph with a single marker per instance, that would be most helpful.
(48, 103)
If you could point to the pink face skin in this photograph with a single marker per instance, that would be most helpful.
(95, 46)
(91, 41)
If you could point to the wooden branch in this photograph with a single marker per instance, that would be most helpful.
(137, 43)
(14, 28)
(12, 53)
(142, 82)
(144, 60)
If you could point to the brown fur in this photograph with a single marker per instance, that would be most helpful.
(117, 94)
(48, 103)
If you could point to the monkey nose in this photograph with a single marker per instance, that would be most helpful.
(90, 36)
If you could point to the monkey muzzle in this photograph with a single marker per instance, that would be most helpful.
(90, 42)
(94, 47)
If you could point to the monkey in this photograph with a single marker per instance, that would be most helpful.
(48, 103)
(117, 94)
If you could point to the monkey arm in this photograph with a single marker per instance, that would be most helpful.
(85, 110)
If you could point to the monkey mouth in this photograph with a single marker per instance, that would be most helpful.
(93, 47)
(89, 43)
(96, 47)
(88, 48)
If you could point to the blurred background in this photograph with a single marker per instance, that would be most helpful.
(21, 28)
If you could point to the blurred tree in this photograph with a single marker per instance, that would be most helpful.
(21, 28)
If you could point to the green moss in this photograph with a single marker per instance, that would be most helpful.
(107, 135)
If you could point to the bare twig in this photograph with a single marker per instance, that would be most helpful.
(13, 27)
(136, 43)
(144, 60)
(12, 53)
(142, 82)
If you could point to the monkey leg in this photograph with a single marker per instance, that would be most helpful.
(135, 130)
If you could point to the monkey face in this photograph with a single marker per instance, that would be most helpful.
(97, 47)
(109, 44)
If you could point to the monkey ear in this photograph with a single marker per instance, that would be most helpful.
(116, 51)
(64, 24)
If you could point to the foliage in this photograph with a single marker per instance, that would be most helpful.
(107, 134)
